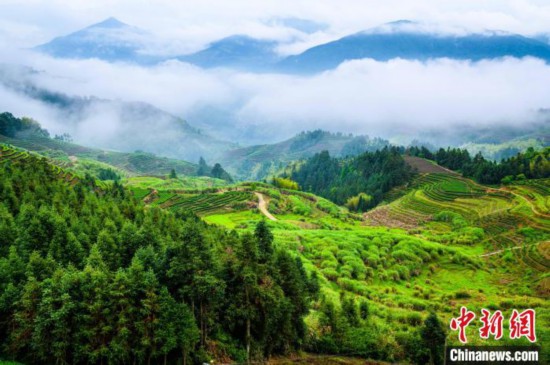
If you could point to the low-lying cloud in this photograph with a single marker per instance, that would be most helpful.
(389, 99)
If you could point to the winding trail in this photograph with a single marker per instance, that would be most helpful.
(262, 205)
(509, 248)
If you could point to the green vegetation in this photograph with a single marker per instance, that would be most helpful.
(216, 172)
(259, 162)
(283, 183)
(372, 173)
(208, 203)
(504, 150)
(432, 261)
(182, 183)
(11, 126)
(88, 275)
(531, 164)
(170, 266)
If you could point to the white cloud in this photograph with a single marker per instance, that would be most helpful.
(404, 96)
(360, 96)
(363, 96)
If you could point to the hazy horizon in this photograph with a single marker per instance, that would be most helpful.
(394, 98)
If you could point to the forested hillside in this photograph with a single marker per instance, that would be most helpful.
(257, 162)
(88, 276)
(27, 133)
(531, 164)
(366, 177)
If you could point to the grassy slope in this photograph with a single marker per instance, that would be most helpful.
(397, 257)
(406, 264)
(133, 163)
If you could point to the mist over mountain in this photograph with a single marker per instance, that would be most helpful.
(238, 51)
(113, 124)
(407, 40)
(399, 81)
(259, 161)
(112, 40)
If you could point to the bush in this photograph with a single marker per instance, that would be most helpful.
(462, 295)
(285, 183)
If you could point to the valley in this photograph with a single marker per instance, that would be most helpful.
(274, 183)
(437, 243)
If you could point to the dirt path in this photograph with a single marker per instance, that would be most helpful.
(508, 248)
(262, 205)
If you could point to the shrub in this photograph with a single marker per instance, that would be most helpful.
(285, 183)
(414, 319)
(462, 295)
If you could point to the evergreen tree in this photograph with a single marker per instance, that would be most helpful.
(203, 168)
(433, 335)
(264, 237)
(217, 171)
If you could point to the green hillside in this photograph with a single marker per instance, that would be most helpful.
(257, 162)
(444, 242)
(369, 280)
(88, 274)
(138, 163)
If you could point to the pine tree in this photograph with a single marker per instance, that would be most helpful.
(433, 335)
(217, 171)
(263, 235)
(203, 168)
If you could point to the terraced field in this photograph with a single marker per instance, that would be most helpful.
(138, 163)
(209, 203)
(433, 192)
(10, 154)
(514, 219)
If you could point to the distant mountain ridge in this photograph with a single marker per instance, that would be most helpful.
(257, 162)
(110, 40)
(402, 40)
(113, 40)
(238, 51)
(127, 126)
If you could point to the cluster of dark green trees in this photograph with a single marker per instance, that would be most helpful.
(530, 164)
(348, 330)
(338, 179)
(11, 126)
(216, 172)
(88, 275)
(109, 174)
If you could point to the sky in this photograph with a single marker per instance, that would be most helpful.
(364, 96)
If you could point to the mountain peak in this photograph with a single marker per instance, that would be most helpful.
(110, 22)
(401, 22)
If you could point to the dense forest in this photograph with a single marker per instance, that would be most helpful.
(359, 181)
(11, 126)
(530, 164)
(89, 275)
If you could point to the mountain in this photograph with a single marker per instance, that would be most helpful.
(411, 41)
(114, 41)
(257, 162)
(238, 51)
(27, 134)
(114, 124)
(110, 40)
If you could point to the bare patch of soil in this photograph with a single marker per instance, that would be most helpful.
(424, 166)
